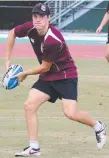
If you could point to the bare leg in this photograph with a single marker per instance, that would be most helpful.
(35, 99)
(71, 110)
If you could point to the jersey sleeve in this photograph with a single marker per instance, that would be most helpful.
(51, 52)
(22, 30)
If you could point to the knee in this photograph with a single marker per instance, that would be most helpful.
(29, 106)
(70, 114)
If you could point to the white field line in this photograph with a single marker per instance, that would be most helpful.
(74, 37)
(40, 117)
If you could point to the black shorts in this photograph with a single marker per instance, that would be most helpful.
(107, 39)
(66, 88)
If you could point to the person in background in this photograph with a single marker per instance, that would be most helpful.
(105, 21)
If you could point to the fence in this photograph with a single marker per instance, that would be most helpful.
(15, 13)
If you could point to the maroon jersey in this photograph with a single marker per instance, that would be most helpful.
(51, 48)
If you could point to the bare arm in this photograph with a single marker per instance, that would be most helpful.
(9, 47)
(44, 67)
(18, 31)
(104, 21)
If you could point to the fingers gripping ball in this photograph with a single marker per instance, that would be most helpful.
(8, 82)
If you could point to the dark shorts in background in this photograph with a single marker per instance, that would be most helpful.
(107, 39)
(66, 88)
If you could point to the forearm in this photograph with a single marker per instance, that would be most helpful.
(38, 70)
(9, 44)
(105, 20)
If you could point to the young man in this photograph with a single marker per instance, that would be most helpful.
(58, 77)
(104, 21)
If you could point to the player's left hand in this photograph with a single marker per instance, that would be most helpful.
(99, 29)
(21, 76)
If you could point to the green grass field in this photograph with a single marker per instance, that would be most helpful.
(58, 136)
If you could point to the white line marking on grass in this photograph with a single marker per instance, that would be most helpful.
(41, 117)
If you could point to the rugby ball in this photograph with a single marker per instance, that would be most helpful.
(8, 82)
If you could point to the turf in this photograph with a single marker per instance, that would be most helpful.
(58, 136)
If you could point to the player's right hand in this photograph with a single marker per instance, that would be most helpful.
(99, 29)
(7, 64)
(21, 76)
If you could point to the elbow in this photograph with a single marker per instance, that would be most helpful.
(45, 69)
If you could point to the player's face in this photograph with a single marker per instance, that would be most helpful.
(40, 21)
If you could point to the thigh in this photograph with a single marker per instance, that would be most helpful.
(107, 47)
(45, 87)
(107, 51)
(67, 88)
(37, 97)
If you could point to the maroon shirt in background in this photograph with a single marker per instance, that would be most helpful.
(51, 48)
(107, 10)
